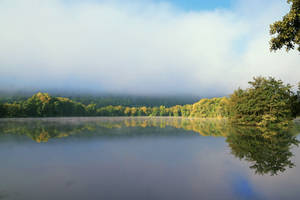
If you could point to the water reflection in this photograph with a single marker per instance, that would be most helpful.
(268, 151)
(41, 130)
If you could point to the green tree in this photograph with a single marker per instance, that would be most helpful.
(212, 108)
(31, 106)
(91, 109)
(176, 110)
(186, 110)
(142, 111)
(40, 104)
(13, 110)
(133, 111)
(298, 101)
(155, 111)
(63, 107)
(287, 31)
(78, 109)
(119, 111)
(2, 110)
(163, 111)
(127, 111)
(298, 92)
(265, 103)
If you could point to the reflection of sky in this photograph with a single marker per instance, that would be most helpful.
(283, 186)
(243, 187)
(154, 167)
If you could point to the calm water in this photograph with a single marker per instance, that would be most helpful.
(144, 158)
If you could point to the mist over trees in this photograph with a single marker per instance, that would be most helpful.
(106, 99)
(266, 102)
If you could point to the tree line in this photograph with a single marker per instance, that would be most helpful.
(107, 99)
(267, 101)
(45, 105)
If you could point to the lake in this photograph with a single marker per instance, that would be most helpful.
(146, 158)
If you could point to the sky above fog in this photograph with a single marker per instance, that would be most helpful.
(140, 47)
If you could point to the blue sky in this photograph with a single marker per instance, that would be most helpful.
(140, 46)
(196, 5)
(187, 5)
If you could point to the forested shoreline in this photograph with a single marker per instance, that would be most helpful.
(266, 102)
(45, 105)
(103, 100)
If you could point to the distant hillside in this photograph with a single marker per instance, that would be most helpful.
(114, 100)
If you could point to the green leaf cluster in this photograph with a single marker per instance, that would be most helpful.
(287, 31)
(211, 108)
(267, 102)
(42, 105)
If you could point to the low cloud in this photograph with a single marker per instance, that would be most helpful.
(139, 47)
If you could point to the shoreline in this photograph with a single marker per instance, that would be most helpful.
(297, 119)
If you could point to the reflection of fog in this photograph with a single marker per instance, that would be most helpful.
(41, 130)
(192, 167)
(267, 150)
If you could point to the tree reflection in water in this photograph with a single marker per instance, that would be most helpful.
(43, 129)
(268, 150)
